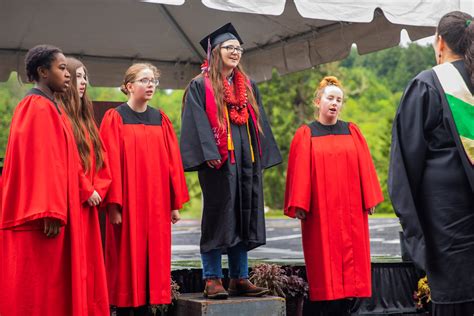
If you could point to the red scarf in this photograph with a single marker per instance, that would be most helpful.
(222, 134)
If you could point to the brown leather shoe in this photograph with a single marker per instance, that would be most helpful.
(243, 287)
(215, 290)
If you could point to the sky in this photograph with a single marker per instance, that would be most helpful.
(404, 39)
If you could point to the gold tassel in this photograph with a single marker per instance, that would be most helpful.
(230, 143)
(250, 142)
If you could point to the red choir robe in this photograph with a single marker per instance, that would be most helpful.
(148, 182)
(332, 178)
(41, 275)
(90, 181)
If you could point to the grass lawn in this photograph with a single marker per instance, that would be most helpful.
(192, 210)
(278, 214)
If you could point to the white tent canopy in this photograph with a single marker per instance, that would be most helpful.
(109, 35)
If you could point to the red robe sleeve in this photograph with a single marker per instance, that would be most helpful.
(35, 174)
(101, 181)
(103, 178)
(111, 134)
(371, 191)
(298, 174)
(85, 186)
(179, 190)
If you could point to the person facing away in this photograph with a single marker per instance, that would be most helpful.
(42, 254)
(332, 187)
(148, 189)
(94, 181)
(226, 137)
(431, 175)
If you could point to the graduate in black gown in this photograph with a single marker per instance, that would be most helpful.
(431, 177)
(226, 137)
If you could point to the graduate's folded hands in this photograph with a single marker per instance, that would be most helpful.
(94, 199)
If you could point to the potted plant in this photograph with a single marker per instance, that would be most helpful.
(282, 283)
(296, 290)
(271, 276)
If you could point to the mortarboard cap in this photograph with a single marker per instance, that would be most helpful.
(222, 34)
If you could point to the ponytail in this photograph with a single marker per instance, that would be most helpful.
(457, 30)
(469, 54)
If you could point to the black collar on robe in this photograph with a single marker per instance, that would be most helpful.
(339, 128)
(150, 116)
(36, 91)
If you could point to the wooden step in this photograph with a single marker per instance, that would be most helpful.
(194, 304)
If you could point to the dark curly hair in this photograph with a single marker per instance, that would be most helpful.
(40, 55)
(457, 30)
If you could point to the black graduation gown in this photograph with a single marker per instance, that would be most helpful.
(431, 187)
(232, 195)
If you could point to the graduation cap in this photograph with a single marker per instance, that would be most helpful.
(222, 34)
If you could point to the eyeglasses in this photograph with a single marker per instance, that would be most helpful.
(147, 81)
(232, 49)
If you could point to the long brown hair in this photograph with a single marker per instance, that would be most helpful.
(457, 30)
(215, 77)
(80, 113)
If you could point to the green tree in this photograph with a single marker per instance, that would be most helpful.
(11, 93)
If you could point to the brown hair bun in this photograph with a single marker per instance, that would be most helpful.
(329, 81)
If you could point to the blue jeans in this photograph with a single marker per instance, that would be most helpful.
(238, 263)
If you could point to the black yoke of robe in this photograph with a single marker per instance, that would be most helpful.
(150, 116)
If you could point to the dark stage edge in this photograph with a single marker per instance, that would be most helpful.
(393, 286)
